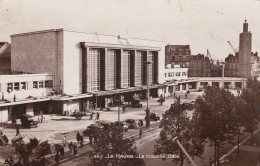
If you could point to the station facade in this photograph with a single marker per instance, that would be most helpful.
(86, 69)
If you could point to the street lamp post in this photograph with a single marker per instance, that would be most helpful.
(223, 72)
(147, 82)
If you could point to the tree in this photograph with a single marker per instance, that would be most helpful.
(212, 115)
(111, 148)
(176, 124)
(251, 96)
(238, 120)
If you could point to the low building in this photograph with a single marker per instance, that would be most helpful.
(176, 80)
(25, 93)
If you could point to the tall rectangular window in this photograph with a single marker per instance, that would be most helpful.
(9, 87)
(126, 69)
(35, 84)
(23, 85)
(138, 68)
(16, 86)
(111, 70)
(93, 83)
(150, 58)
(40, 84)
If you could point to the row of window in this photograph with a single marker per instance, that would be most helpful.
(24, 85)
(177, 74)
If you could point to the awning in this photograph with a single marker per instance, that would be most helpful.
(25, 101)
(71, 97)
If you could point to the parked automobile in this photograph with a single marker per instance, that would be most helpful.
(131, 123)
(123, 125)
(136, 103)
(105, 124)
(92, 129)
(28, 121)
(154, 116)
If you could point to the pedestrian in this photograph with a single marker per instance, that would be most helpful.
(186, 95)
(1, 132)
(3, 97)
(17, 131)
(140, 132)
(78, 137)
(97, 116)
(174, 95)
(81, 141)
(95, 139)
(41, 118)
(91, 115)
(161, 101)
(75, 149)
(62, 151)
(124, 108)
(71, 148)
(57, 158)
(90, 139)
(65, 141)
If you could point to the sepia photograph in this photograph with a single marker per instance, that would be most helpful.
(129, 83)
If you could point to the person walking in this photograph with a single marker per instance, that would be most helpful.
(81, 141)
(65, 141)
(75, 149)
(91, 115)
(97, 116)
(140, 132)
(17, 131)
(62, 152)
(78, 137)
(90, 139)
(124, 108)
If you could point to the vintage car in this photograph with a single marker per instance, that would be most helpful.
(122, 124)
(105, 124)
(136, 103)
(154, 116)
(28, 121)
(92, 129)
(131, 123)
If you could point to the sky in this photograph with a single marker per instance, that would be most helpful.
(202, 24)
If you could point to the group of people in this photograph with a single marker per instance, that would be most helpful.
(92, 114)
(41, 119)
(92, 138)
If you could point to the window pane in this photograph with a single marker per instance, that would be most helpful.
(16, 86)
(35, 84)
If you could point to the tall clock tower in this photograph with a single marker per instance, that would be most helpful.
(245, 46)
